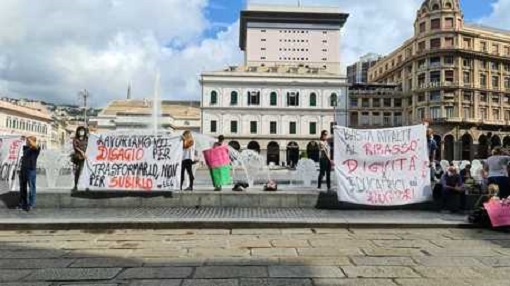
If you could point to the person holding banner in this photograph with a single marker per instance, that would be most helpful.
(188, 160)
(496, 166)
(324, 160)
(28, 173)
(80, 143)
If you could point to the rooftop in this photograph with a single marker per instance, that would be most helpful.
(176, 109)
(477, 26)
(27, 111)
(276, 71)
(293, 9)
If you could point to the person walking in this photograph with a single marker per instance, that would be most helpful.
(188, 156)
(324, 160)
(28, 173)
(80, 142)
(496, 166)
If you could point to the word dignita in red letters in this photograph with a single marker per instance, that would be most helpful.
(401, 164)
(119, 154)
(131, 183)
(390, 149)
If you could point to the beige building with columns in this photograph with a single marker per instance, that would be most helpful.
(455, 75)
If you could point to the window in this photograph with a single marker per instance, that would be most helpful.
(273, 99)
(507, 50)
(214, 97)
(507, 83)
(467, 95)
(253, 127)
(365, 120)
(448, 76)
(448, 111)
(483, 46)
(484, 97)
(313, 99)
(353, 102)
(313, 128)
(214, 127)
(397, 102)
(483, 113)
(421, 113)
(435, 95)
(466, 78)
(397, 119)
(467, 112)
(386, 118)
(421, 47)
(387, 102)
(507, 114)
(233, 126)
(466, 43)
(262, 40)
(495, 99)
(506, 67)
(254, 98)
(435, 43)
(272, 127)
(376, 118)
(435, 62)
(435, 24)
(495, 48)
(448, 23)
(421, 97)
(494, 66)
(495, 82)
(333, 100)
(448, 42)
(292, 98)
(435, 77)
(365, 102)
(233, 98)
(448, 61)
(435, 112)
(292, 127)
(466, 63)
(376, 102)
(483, 80)
(422, 27)
(483, 64)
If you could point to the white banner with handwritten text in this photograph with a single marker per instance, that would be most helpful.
(132, 162)
(382, 167)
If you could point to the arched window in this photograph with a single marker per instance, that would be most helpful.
(8, 123)
(435, 7)
(233, 98)
(448, 5)
(214, 97)
(273, 99)
(333, 100)
(313, 99)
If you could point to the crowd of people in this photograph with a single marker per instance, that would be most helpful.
(453, 184)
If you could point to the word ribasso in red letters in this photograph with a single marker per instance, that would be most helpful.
(119, 154)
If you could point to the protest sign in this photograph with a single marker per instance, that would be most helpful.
(499, 212)
(382, 167)
(132, 162)
(10, 152)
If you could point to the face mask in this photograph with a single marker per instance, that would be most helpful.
(81, 133)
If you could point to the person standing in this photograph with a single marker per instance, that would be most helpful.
(496, 166)
(220, 141)
(188, 144)
(28, 173)
(80, 143)
(324, 160)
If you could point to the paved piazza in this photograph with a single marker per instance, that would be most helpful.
(253, 257)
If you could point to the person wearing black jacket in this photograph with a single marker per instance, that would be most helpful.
(27, 176)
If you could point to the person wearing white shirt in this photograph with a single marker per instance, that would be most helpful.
(496, 166)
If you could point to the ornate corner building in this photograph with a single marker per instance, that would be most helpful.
(455, 75)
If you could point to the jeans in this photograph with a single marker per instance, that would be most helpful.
(77, 172)
(325, 169)
(27, 195)
(187, 166)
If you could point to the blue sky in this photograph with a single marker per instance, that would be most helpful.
(225, 12)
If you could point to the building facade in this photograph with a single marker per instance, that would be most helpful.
(456, 76)
(357, 73)
(289, 88)
(375, 106)
(137, 114)
(278, 116)
(25, 121)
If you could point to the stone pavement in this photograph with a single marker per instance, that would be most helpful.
(221, 218)
(255, 257)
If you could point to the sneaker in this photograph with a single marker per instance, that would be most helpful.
(218, 189)
(189, 189)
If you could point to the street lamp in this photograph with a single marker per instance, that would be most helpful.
(84, 95)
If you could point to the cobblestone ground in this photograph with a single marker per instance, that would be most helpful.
(253, 257)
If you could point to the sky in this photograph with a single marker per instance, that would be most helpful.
(51, 49)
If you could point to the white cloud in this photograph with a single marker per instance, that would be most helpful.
(499, 15)
(51, 49)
